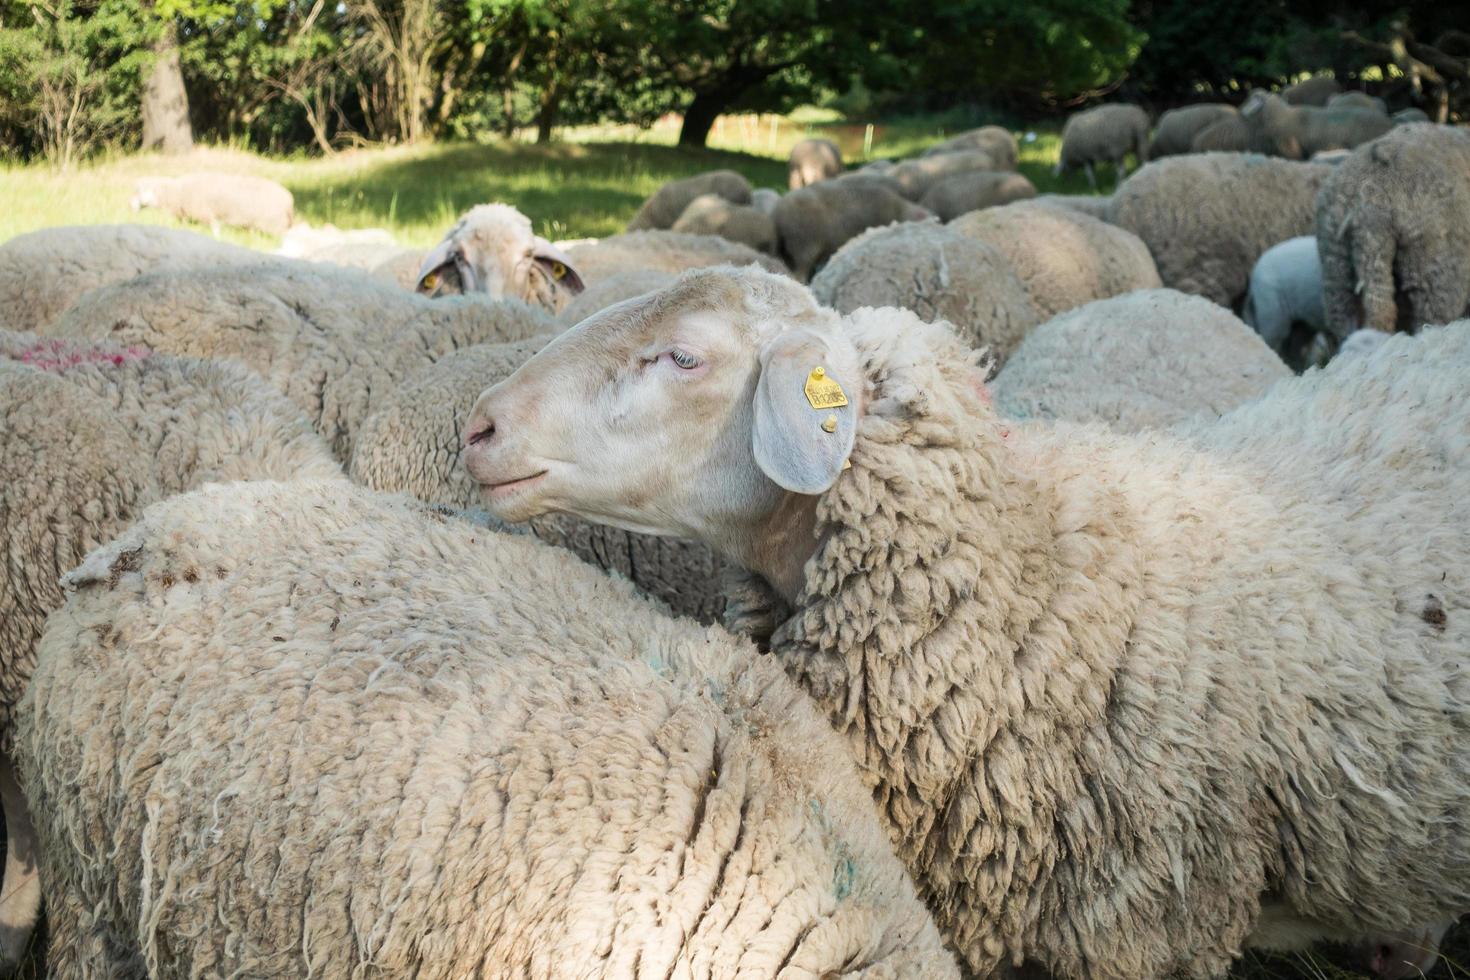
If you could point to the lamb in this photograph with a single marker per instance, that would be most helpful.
(814, 222)
(1312, 91)
(42, 273)
(614, 289)
(913, 178)
(305, 730)
(938, 272)
(1062, 257)
(89, 436)
(1145, 360)
(217, 199)
(662, 251)
(1285, 288)
(331, 341)
(1104, 134)
(1207, 219)
(492, 250)
(812, 160)
(1393, 227)
(665, 205)
(1297, 132)
(710, 214)
(1357, 100)
(1178, 128)
(962, 193)
(1230, 135)
(1126, 701)
(994, 140)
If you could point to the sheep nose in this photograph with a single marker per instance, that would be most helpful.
(479, 430)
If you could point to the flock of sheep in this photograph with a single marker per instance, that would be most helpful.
(358, 604)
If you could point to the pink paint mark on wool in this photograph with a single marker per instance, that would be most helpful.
(56, 356)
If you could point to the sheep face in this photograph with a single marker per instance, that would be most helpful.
(696, 411)
(491, 250)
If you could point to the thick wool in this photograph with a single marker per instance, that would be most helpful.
(665, 205)
(662, 251)
(1206, 218)
(812, 160)
(1229, 135)
(1177, 128)
(614, 289)
(304, 730)
(1062, 257)
(1145, 360)
(994, 140)
(221, 199)
(710, 214)
(977, 189)
(814, 222)
(42, 273)
(1110, 691)
(938, 273)
(1092, 205)
(411, 444)
(1393, 230)
(333, 341)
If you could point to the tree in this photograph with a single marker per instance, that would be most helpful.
(165, 108)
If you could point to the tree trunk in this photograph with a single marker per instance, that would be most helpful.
(546, 116)
(701, 115)
(165, 102)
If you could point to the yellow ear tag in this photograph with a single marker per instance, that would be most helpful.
(558, 271)
(429, 281)
(822, 391)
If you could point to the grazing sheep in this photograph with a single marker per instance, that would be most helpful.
(1145, 360)
(994, 140)
(812, 160)
(1104, 134)
(1062, 257)
(1126, 701)
(220, 199)
(42, 273)
(1229, 135)
(938, 272)
(613, 289)
(1357, 100)
(1207, 218)
(333, 341)
(814, 222)
(764, 200)
(411, 444)
(1312, 91)
(1285, 288)
(962, 193)
(1092, 205)
(665, 205)
(711, 214)
(913, 178)
(1298, 132)
(290, 730)
(1393, 227)
(1177, 128)
(492, 250)
(662, 251)
(1410, 115)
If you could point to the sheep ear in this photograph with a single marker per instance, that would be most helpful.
(558, 266)
(806, 410)
(435, 266)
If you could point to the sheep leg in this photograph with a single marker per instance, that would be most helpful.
(20, 892)
(1091, 179)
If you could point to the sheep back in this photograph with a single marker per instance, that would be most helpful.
(710, 214)
(994, 140)
(1177, 128)
(664, 206)
(962, 193)
(662, 251)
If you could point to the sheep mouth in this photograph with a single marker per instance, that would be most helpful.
(505, 488)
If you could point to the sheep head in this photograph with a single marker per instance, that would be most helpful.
(492, 250)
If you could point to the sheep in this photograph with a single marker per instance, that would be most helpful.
(1063, 258)
(1285, 288)
(1092, 205)
(1297, 132)
(710, 214)
(307, 730)
(662, 251)
(1393, 228)
(665, 205)
(1312, 91)
(1126, 700)
(1145, 360)
(613, 289)
(764, 200)
(962, 193)
(1206, 219)
(332, 341)
(939, 273)
(1177, 128)
(1357, 100)
(89, 436)
(913, 178)
(1410, 115)
(1104, 134)
(302, 241)
(492, 250)
(812, 160)
(1230, 135)
(217, 199)
(994, 140)
(410, 444)
(42, 273)
(814, 222)
(368, 256)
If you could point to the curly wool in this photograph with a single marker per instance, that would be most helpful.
(333, 341)
(1145, 360)
(305, 730)
(1112, 690)
(662, 251)
(1206, 218)
(412, 443)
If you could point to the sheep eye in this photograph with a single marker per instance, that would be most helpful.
(686, 361)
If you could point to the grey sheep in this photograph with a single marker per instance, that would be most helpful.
(1177, 128)
(972, 191)
(915, 177)
(216, 199)
(1206, 218)
(1297, 132)
(1104, 134)
(665, 205)
(306, 730)
(710, 214)
(764, 200)
(994, 140)
(1393, 228)
(1412, 114)
(1285, 288)
(1312, 91)
(660, 250)
(812, 160)
(814, 222)
(1228, 135)
(1357, 100)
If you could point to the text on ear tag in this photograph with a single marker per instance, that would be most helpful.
(822, 391)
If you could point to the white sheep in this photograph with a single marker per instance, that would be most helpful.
(812, 160)
(1103, 134)
(913, 178)
(662, 251)
(1112, 692)
(1285, 288)
(816, 221)
(492, 250)
(301, 729)
(963, 193)
(994, 140)
(216, 199)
